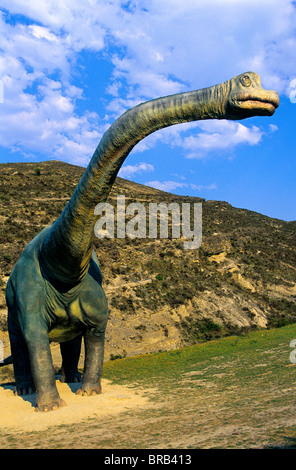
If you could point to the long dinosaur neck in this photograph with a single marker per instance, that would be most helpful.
(67, 248)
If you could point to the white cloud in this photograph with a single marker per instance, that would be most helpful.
(199, 139)
(40, 113)
(46, 123)
(201, 187)
(220, 135)
(172, 185)
(162, 47)
(43, 33)
(203, 43)
(165, 185)
(144, 81)
(129, 171)
(273, 127)
(79, 24)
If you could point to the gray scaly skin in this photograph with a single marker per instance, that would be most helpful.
(54, 292)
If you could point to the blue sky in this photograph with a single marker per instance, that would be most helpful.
(70, 68)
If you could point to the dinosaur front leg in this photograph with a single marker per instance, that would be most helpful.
(43, 373)
(93, 366)
(21, 360)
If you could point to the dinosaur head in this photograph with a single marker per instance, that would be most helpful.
(247, 98)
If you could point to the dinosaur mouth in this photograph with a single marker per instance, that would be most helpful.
(262, 105)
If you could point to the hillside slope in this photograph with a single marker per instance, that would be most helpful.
(160, 295)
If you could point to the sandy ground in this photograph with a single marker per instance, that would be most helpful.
(18, 413)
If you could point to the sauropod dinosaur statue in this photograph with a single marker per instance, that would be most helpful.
(54, 292)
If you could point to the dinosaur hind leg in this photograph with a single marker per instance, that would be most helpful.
(70, 351)
(21, 361)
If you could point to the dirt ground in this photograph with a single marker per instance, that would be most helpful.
(18, 413)
(229, 400)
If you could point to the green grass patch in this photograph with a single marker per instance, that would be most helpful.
(242, 351)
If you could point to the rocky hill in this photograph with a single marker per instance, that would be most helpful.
(162, 296)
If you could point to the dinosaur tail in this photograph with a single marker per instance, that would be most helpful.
(6, 361)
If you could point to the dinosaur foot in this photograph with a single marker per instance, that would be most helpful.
(89, 390)
(24, 390)
(72, 376)
(50, 406)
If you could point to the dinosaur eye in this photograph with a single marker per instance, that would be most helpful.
(246, 81)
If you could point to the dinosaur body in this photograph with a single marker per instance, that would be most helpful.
(54, 292)
(40, 312)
